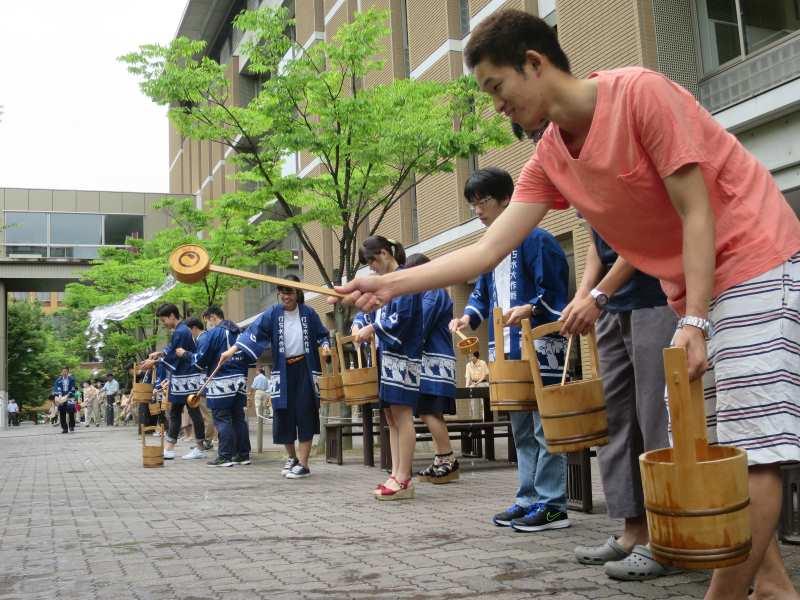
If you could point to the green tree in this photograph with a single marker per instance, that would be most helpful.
(373, 144)
(35, 354)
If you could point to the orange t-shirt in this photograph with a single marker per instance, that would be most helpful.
(644, 128)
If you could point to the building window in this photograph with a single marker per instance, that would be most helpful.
(20, 296)
(463, 17)
(76, 229)
(43, 298)
(732, 29)
(26, 228)
(67, 235)
(406, 58)
(117, 228)
(291, 29)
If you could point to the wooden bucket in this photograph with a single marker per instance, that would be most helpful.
(510, 383)
(695, 495)
(360, 385)
(154, 408)
(330, 381)
(142, 392)
(152, 456)
(573, 414)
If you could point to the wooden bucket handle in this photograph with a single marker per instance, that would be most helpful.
(152, 370)
(499, 325)
(461, 335)
(686, 409)
(341, 340)
(555, 327)
(334, 367)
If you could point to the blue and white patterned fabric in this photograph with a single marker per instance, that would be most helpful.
(184, 377)
(539, 277)
(230, 382)
(267, 330)
(438, 376)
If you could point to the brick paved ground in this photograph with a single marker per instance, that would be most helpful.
(80, 518)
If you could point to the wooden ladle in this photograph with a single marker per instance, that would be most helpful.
(190, 264)
(467, 345)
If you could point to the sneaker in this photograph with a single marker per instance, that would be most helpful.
(515, 511)
(289, 465)
(169, 454)
(298, 472)
(194, 453)
(220, 462)
(208, 444)
(541, 518)
(241, 460)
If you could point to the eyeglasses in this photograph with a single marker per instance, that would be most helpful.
(481, 202)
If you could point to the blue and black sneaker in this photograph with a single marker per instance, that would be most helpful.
(541, 518)
(515, 511)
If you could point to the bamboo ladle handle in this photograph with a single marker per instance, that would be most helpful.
(190, 264)
(461, 335)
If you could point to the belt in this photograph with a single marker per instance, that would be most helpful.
(295, 359)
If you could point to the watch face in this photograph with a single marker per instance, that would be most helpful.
(601, 300)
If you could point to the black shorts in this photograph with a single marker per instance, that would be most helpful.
(435, 405)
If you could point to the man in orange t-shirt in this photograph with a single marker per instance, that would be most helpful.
(678, 198)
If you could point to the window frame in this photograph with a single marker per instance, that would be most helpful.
(743, 55)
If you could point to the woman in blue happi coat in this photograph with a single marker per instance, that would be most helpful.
(184, 379)
(398, 327)
(295, 333)
(226, 393)
(437, 382)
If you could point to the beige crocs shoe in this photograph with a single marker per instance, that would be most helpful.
(639, 565)
(600, 555)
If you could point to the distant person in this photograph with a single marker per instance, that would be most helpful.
(64, 397)
(13, 412)
(477, 374)
(110, 390)
(260, 395)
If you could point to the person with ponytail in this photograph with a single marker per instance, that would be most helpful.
(398, 327)
(437, 382)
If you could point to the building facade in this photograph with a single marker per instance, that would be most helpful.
(741, 58)
(48, 236)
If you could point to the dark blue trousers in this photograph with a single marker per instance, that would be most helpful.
(232, 431)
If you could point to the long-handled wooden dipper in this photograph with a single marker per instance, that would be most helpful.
(190, 264)
(467, 345)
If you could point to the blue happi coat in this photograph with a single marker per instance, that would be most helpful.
(267, 330)
(230, 382)
(539, 277)
(398, 328)
(65, 386)
(438, 376)
(184, 377)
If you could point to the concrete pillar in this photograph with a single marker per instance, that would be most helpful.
(3, 355)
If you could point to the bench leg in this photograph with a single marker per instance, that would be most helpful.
(579, 481)
(368, 441)
(333, 444)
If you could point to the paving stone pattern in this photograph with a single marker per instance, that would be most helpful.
(81, 519)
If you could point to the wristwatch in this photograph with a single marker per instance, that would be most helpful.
(703, 325)
(600, 298)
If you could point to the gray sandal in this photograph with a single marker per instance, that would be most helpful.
(639, 565)
(600, 555)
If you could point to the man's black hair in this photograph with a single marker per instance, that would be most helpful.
(194, 322)
(476, 354)
(504, 37)
(168, 309)
(490, 182)
(213, 310)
